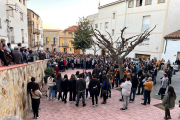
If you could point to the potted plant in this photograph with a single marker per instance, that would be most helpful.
(48, 72)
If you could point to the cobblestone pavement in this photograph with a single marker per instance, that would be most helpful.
(53, 110)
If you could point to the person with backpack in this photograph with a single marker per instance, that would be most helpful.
(134, 87)
(58, 85)
(72, 87)
(94, 87)
(104, 88)
(169, 102)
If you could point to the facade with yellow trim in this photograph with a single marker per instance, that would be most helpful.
(65, 38)
(140, 15)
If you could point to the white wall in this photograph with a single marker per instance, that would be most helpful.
(134, 20)
(16, 23)
(171, 50)
(3, 30)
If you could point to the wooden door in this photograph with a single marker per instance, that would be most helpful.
(143, 56)
(178, 55)
(103, 52)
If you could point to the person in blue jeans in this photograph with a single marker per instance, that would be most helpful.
(134, 87)
(51, 83)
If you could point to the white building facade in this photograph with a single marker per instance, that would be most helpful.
(140, 15)
(13, 22)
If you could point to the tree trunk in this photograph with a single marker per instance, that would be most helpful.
(83, 52)
(120, 63)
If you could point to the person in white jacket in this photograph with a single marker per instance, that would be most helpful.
(51, 84)
(126, 89)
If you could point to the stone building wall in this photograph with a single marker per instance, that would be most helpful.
(14, 99)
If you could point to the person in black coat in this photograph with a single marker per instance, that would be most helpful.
(72, 87)
(135, 83)
(64, 87)
(94, 87)
(2, 54)
(141, 83)
(41, 56)
(61, 65)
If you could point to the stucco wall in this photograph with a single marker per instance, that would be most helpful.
(14, 99)
(172, 49)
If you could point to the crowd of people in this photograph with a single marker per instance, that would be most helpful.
(138, 78)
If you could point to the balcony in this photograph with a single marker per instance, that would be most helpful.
(12, 40)
(36, 31)
(22, 39)
(65, 45)
(66, 36)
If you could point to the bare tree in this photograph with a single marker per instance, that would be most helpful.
(125, 45)
(94, 47)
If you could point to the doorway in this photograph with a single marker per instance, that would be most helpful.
(143, 56)
(103, 52)
(65, 50)
(178, 55)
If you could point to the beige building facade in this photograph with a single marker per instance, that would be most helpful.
(51, 40)
(35, 30)
(140, 15)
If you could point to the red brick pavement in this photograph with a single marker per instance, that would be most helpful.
(53, 110)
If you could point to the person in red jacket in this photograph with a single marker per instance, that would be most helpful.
(64, 65)
(56, 69)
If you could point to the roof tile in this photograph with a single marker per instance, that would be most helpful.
(175, 35)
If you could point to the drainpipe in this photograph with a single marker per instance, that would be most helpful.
(7, 12)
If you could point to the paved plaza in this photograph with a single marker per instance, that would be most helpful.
(53, 110)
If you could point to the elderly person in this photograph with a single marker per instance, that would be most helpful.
(148, 85)
(17, 55)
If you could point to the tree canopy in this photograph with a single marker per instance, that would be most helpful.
(83, 35)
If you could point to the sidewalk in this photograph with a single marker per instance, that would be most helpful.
(53, 110)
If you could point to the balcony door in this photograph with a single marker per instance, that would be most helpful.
(11, 35)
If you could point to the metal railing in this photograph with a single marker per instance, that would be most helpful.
(12, 40)
(36, 31)
(65, 45)
(66, 35)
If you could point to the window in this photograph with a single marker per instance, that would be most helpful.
(54, 49)
(21, 16)
(114, 15)
(90, 26)
(138, 3)
(33, 15)
(47, 40)
(131, 4)
(20, 1)
(96, 26)
(100, 26)
(148, 2)
(11, 35)
(113, 32)
(106, 25)
(65, 42)
(0, 24)
(10, 11)
(22, 34)
(146, 22)
(70, 33)
(54, 41)
(145, 42)
(47, 49)
(24, 2)
(70, 49)
(161, 1)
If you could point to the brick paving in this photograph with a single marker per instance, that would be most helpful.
(53, 110)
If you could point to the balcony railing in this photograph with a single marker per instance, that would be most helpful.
(12, 40)
(36, 31)
(65, 45)
(22, 39)
(66, 36)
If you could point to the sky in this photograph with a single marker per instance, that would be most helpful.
(60, 14)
